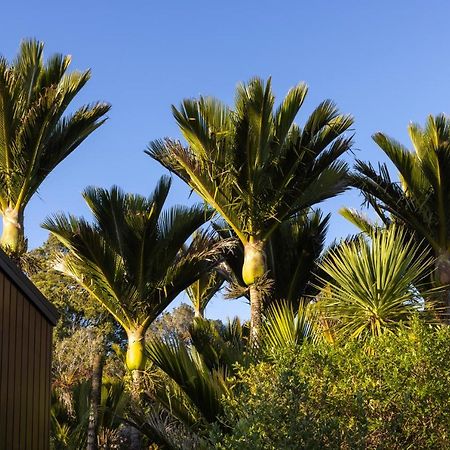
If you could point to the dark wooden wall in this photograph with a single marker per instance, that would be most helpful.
(25, 364)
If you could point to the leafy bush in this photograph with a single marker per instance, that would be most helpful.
(392, 393)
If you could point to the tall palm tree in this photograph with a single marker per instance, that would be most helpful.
(255, 167)
(421, 200)
(35, 135)
(133, 259)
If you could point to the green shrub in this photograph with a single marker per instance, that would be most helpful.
(392, 393)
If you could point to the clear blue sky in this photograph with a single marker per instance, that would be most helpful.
(385, 62)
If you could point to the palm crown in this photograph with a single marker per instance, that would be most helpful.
(133, 259)
(253, 164)
(35, 135)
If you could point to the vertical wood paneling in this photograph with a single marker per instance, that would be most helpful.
(11, 365)
(48, 378)
(36, 380)
(25, 374)
(4, 319)
(42, 383)
(16, 297)
(25, 371)
(31, 374)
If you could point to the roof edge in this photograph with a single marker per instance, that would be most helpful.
(28, 288)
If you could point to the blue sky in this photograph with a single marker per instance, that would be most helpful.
(385, 62)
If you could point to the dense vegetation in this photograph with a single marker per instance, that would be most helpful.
(346, 347)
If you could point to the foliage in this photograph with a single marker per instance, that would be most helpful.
(420, 201)
(200, 386)
(373, 285)
(69, 424)
(285, 327)
(189, 382)
(203, 290)
(389, 394)
(76, 309)
(252, 163)
(35, 133)
(256, 167)
(132, 259)
(174, 324)
(73, 361)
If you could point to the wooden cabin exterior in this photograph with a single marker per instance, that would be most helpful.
(26, 323)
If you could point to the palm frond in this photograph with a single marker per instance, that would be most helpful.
(375, 285)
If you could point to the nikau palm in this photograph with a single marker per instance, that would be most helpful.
(132, 259)
(203, 290)
(35, 135)
(421, 200)
(293, 252)
(255, 167)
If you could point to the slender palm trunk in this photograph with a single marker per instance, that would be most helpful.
(253, 269)
(96, 393)
(198, 312)
(136, 363)
(256, 309)
(135, 435)
(12, 234)
(443, 278)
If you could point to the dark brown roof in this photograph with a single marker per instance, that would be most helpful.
(28, 289)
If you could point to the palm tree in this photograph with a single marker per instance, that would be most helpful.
(133, 259)
(255, 167)
(203, 290)
(35, 135)
(420, 201)
(294, 250)
(371, 286)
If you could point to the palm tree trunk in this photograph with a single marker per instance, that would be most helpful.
(96, 393)
(136, 350)
(443, 278)
(135, 435)
(12, 234)
(198, 313)
(256, 307)
(253, 269)
(136, 363)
